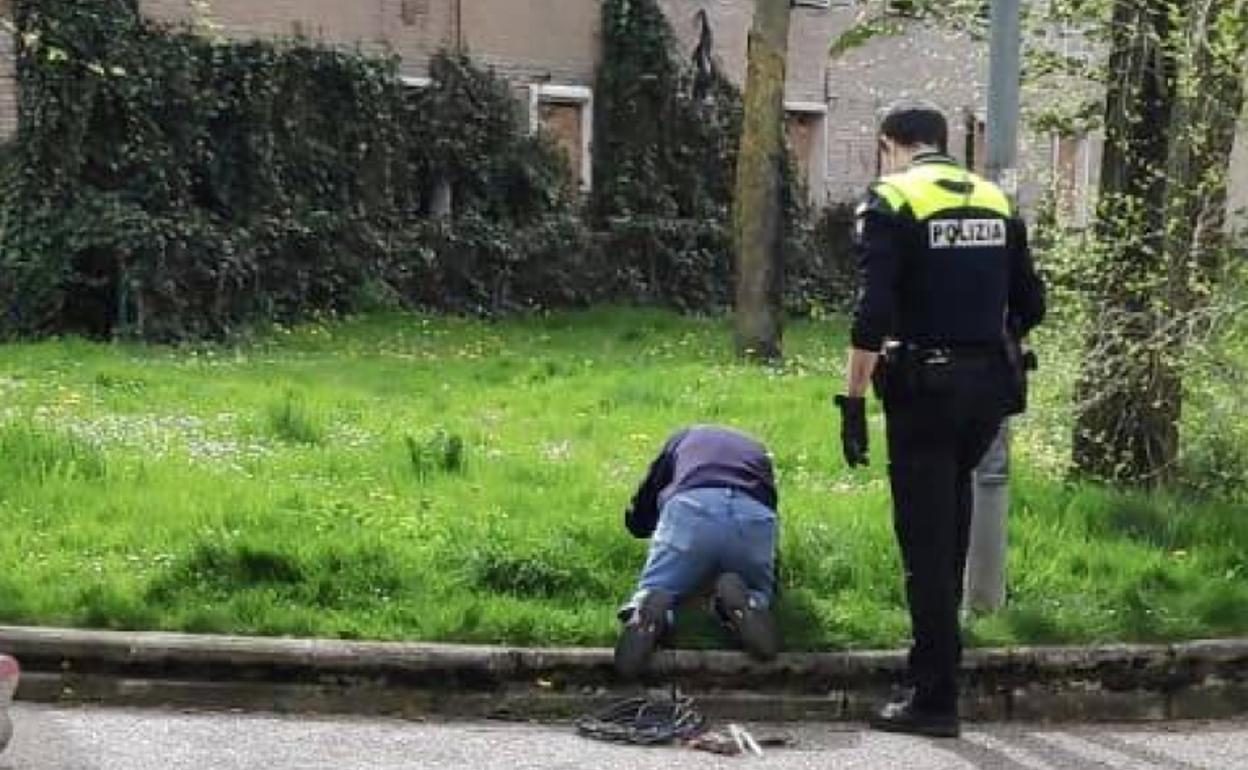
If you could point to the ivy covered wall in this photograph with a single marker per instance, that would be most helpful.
(165, 185)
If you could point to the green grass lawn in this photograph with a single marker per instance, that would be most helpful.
(431, 479)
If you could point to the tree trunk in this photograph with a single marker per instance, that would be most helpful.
(1128, 398)
(758, 215)
(1162, 217)
(1210, 101)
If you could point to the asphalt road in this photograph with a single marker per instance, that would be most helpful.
(105, 739)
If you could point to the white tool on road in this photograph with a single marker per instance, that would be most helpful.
(744, 740)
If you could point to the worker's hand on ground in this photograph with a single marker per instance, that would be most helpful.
(853, 429)
(638, 526)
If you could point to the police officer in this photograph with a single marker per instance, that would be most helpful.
(947, 277)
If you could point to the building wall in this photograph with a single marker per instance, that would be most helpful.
(416, 29)
(558, 42)
(951, 71)
(811, 31)
(554, 41)
(863, 82)
(330, 21)
(730, 22)
(531, 41)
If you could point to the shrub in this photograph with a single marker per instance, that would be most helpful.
(165, 186)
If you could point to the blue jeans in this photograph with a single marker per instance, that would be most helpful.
(704, 533)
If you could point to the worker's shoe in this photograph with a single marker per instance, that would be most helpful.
(646, 625)
(9, 674)
(746, 618)
(904, 716)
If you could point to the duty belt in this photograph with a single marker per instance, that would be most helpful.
(942, 354)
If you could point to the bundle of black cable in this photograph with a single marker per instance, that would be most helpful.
(644, 722)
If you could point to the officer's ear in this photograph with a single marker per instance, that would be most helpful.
(887, 155)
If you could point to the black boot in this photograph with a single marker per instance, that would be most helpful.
(910, 716)
(753, 624)
(641, 633)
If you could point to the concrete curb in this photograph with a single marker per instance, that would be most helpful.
(1196, 680)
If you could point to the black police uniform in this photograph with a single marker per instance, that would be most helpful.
(945, 271)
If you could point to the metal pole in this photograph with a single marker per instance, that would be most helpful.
(1004, 76)
(985, 567)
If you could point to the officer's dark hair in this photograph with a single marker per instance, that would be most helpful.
(915, 124)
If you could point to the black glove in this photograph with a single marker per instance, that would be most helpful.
(1022, 362)
(639, 526)
(853, 429)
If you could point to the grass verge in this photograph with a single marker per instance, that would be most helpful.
(399, 477)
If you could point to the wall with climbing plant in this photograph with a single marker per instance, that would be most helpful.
(166, 185)
(666, 134)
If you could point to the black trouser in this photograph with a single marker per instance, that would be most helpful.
(937, 434)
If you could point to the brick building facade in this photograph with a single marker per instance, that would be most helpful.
(549, 50)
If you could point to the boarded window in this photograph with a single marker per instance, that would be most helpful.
(800, 128)
(807, 140)
(562, 121)
(1070, 178)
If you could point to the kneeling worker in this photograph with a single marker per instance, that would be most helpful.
(708, 504)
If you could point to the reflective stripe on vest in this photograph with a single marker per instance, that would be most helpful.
(918, 186)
